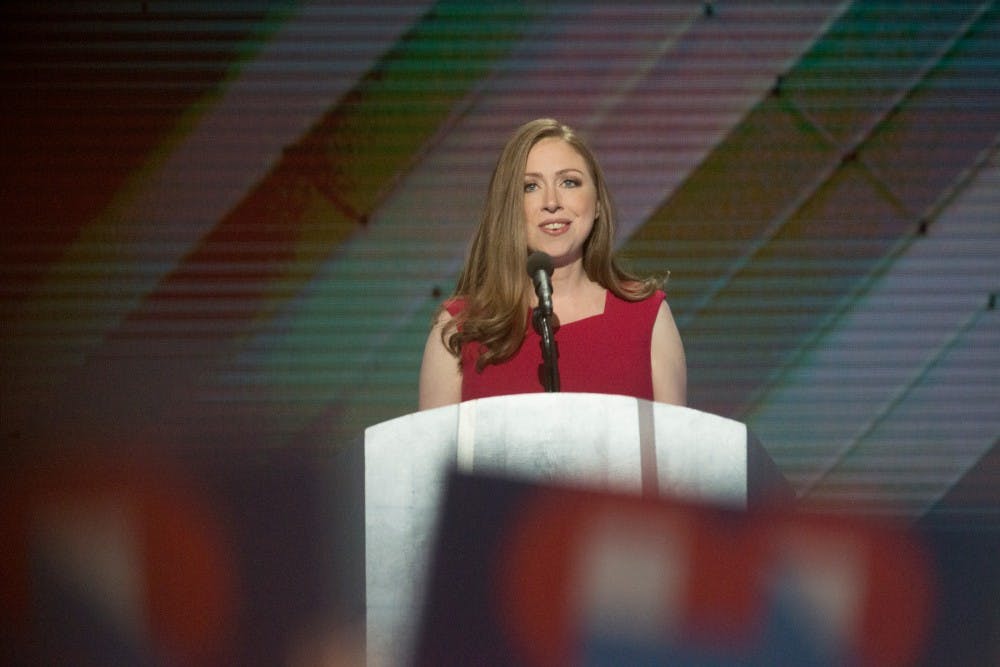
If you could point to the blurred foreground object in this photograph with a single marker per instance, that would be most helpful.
(108, 561)
(548, 575)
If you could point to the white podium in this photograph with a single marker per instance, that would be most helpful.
(599, 441)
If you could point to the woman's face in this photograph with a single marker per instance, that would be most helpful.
(560, 200)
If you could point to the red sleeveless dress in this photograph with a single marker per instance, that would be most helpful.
(606, 353)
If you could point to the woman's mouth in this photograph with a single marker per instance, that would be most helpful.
(554, 226)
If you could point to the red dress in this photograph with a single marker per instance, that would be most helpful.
(606, 353)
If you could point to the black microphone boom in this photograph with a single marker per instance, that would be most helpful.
(540, 270)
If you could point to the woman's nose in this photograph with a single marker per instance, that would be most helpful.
(552, 201)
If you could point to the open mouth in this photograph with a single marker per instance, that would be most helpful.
(554, 225)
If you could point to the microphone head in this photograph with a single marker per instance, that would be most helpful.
(539, 261)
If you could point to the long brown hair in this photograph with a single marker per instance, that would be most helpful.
(494, 284)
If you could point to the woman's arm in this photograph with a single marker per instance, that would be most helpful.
(440, 376)
(668, 362)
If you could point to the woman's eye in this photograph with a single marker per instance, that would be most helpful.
(530, 187)
(571, 183)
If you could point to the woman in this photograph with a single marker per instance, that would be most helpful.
(614, 332)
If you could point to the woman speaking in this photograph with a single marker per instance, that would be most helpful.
(613, 332)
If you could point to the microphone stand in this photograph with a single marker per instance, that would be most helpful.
(550, 353)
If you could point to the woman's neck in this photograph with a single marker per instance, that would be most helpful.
(574, 295)
(571, 279)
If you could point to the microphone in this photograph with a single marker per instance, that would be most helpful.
(540, 269)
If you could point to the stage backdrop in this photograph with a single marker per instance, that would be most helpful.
(228, 224)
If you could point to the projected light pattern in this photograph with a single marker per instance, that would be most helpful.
(229, 226)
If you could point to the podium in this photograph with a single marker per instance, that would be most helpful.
(614, 443)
